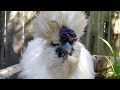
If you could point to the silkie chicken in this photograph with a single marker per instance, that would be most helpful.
(56, 52)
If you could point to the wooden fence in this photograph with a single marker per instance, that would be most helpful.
(103, 24)
(15, 34)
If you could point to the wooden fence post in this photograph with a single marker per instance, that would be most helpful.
(13, 37)
(115, 32)
(94, 28)
(17, 34)
(2, 23)
(99, 26)
(28, 18)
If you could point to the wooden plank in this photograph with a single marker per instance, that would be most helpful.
(88, 32)
(96, 30)
(13, 37)
(95, 22)
(84, 39)
(110, 29)
(2, 23)
(101, 62)
(8, 72)
(12, 72)
(115, 34)
(28, 18)
(104, 33)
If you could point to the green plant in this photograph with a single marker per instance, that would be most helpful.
(115, 73)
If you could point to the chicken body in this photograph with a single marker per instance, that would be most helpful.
(55, 52)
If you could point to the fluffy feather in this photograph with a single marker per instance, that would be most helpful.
(40, 60)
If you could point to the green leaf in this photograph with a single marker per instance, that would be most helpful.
(119, 69)
(111, 49)
(110, 63)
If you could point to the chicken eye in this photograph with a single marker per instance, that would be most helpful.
(52, 44)
(73, 35)
(63, 35)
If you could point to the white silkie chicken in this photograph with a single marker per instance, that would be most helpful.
(56, 52)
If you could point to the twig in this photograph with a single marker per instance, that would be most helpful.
(98, 60)
(9, 71)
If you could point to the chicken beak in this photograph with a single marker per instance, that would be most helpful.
(67, 47)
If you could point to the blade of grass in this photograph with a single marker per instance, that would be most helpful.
(110, 63)
(111, 49)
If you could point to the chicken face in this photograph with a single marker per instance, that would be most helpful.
(67, 38)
